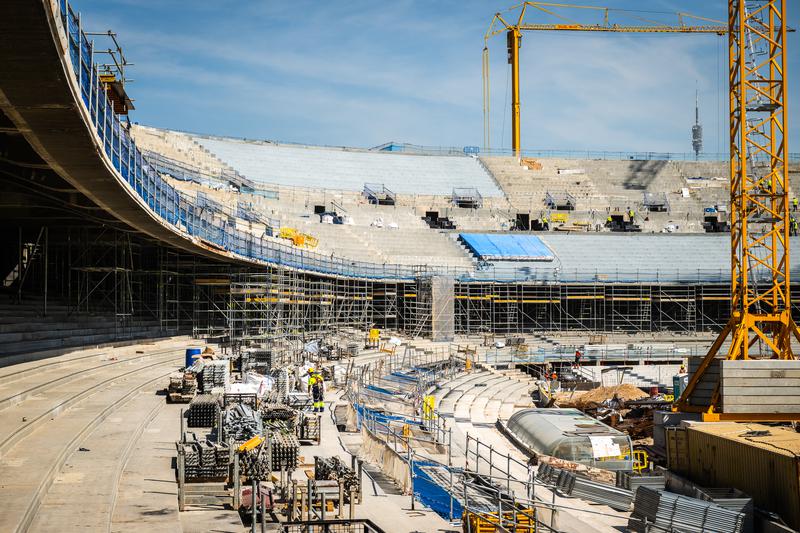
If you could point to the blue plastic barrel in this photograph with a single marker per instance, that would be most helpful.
(190, 355)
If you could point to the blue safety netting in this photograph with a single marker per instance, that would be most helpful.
(432, 494)
(382, 390)
(383, 417)
(507, 246)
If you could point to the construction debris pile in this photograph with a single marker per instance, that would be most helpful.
(621, 393)
(616, 406)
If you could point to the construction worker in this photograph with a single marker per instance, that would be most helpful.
(577, 358)
(792, 226)
(609, 221)
(317, 386)
(545, 224)
(631, 215)
(554, 376)
(794, 203)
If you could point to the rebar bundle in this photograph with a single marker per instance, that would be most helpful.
(203, 411)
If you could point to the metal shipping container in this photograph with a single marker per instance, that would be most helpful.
(761, 461)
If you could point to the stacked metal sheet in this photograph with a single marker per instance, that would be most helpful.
(203, 411)
(669, 511)
(242, 423)
(733, 500)
(584, 488)
(216, 373)
(632, 480)
(333, 468)
(548, 473)
(285, 449)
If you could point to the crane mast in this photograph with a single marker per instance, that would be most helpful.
(761, 323)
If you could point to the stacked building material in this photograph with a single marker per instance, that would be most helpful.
(308, 427)
(578, 486)
(282, 385)
(632, 480)
(668, 512)
(242, 423)
(259, 358)
(203, 411)
(733, 500)
(255, 463)
(204, 460)
(277, 411)
(285, 449)
(182, 387)
(216, 373)
(332, 468)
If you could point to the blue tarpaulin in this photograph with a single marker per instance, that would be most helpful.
(431, 493)
(507, 246)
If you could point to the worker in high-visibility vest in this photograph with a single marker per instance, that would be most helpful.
(317, 387)
(792, 227)
(545, 224)
(794, 203)
(631, 215)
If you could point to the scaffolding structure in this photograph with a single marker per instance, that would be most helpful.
(111, 273)
(509, 308)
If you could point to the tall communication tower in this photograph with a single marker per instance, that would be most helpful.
(697, 129)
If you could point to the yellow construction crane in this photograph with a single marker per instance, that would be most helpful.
(514, 29)
(761, 324)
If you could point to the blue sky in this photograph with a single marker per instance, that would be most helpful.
(360, 73)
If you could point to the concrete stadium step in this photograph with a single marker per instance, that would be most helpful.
(451, 399)
(61, 330)
(87, 338)
(487, 408)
